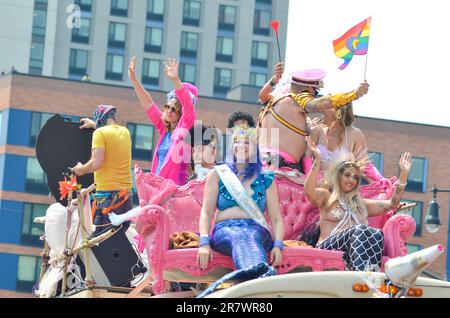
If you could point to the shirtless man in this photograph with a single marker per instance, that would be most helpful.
(282, 121)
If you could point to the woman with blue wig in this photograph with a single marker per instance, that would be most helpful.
(241, 192)
(171, 158)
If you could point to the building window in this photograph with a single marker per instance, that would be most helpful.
(85, 5)
(38, 120)
(153, 40)
(117, 35)
(78, 62)
(261, 24)
(227, 17)
(222, 80)
(416, 213)
(31, 232)
(119, 8)
(377, 159)
(224, 49)
(81, 34)
(39, 23)
(188, 72)
(142, 141)
(36, 58)
(114, 67)
(191, 12)
(155, 10)
(133, 181)
(417, 175)
(36, 179)
(260, 53)
(189, 44)
(413, 248)
(264, 1)
(258, 79)
(28, 270)
(151, 70)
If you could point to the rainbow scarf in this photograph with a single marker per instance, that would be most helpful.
(354, 42)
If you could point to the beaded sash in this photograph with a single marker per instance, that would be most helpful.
(347, 219)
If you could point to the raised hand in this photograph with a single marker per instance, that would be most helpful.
(312, 123)
(87, 123)
(278, 73)
(312, 147)
(132, 69)
(171, 68)
(362, 89)
(405, 162)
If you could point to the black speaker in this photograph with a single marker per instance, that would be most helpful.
(75, 280)
(115, 262)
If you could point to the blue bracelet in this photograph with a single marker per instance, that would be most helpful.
(204, 240)
(279, 244)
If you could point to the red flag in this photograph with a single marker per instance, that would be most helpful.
(274, 24)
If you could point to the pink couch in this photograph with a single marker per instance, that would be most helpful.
(181, 210)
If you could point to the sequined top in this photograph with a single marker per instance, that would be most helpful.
(259, 186)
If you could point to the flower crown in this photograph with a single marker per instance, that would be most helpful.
(359, 159)
(243, 131)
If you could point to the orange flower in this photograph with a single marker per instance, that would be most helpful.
(65, 187)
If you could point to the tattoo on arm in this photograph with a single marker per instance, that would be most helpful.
(395, 200)
(383, 206)
(312, 107)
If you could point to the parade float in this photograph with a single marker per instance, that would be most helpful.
(161, 247)
(73, 260)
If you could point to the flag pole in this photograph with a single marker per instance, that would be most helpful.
(279, 51)
(367, 54)
(365, 67)
(275, 26)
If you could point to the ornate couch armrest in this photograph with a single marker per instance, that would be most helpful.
(150, 217)
(397, 230)
(153, 224)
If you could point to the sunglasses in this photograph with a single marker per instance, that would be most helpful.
(173, 109)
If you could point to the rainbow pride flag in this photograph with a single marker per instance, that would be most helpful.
(354, 42)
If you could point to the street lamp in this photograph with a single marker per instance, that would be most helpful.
(432, 220)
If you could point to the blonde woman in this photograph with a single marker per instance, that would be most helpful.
(344, 213)
(337, 136)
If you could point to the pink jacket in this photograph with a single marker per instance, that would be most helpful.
(175, 166)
